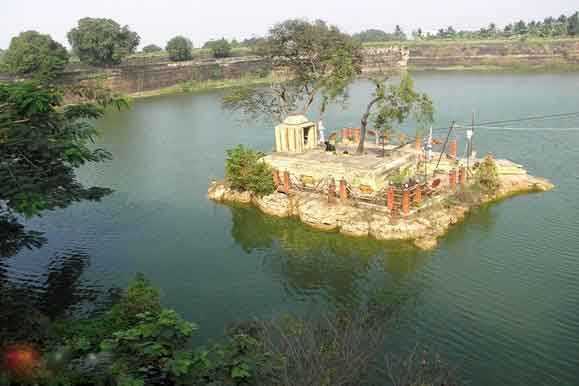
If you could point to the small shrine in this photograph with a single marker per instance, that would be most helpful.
(296, 134)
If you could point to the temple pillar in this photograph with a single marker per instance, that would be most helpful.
(418, 195)
(286, 182)
(452, 179)
(390, 198)
(406, 202)
(452, 149)
(276, 181)
(343, 191)
(332, 190)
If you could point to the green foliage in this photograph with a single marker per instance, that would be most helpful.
(550, 27)
(219, 48)
(150, 48)
(35, 55)
(487, 175)
(377, 35)
(42, 141)
(141, 297)
(318, 61)
(179, 49)
(138, 342)
(102, 42)
(238, 360)
(155, 341)
(372, 35)
(85, 335)
(391, 105)
(246, 171)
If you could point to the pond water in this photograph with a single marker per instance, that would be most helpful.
(499, 297)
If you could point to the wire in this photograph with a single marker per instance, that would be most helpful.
(487, 124)
(532, 118)
(527, 128)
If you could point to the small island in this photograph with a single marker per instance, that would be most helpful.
(405, 191)
(389, 178)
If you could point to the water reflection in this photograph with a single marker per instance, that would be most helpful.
(311, 262)
(14, 237)
(28, 301)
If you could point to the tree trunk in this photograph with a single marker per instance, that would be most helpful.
(364, 124)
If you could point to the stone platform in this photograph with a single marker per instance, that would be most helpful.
(371, 169)
(423, 228)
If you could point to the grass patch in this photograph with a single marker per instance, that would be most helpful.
(197, 86)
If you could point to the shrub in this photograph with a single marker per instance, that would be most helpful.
(219, 48)
(179, 49)
(153, 348)
(246, 171)
(487, 175)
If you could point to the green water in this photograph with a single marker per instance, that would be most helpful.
(499, 297)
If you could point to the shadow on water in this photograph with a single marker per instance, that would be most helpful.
(14, 237)
(310, 262)
(30, 301)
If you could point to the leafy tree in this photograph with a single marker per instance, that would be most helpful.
(219, 48)
(246, 171)
(102, 42)
(42, 142)
(393, 104)
(179, 49)
(520, 28)
(35, 55)
(318, 62)
(150, 48)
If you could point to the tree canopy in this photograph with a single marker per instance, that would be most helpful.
(35, 55)
(150, 48)
(392, 104)
(378, 35)
(179, 49)
(102, 42)
(219, 48)
(42, 142)
(315, 62)
(550, 27)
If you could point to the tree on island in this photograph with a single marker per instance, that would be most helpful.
(151, 48)
(32, 54)
(179, 49)
(393, 104)
(219, 48)
(42, 142)
(102, 42)
(317, 61)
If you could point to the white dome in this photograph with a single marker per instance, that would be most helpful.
(296, 120)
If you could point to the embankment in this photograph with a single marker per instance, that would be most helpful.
(423, 228)
(498, 55)
(144, 76)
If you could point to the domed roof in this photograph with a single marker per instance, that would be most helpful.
(296, 120)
